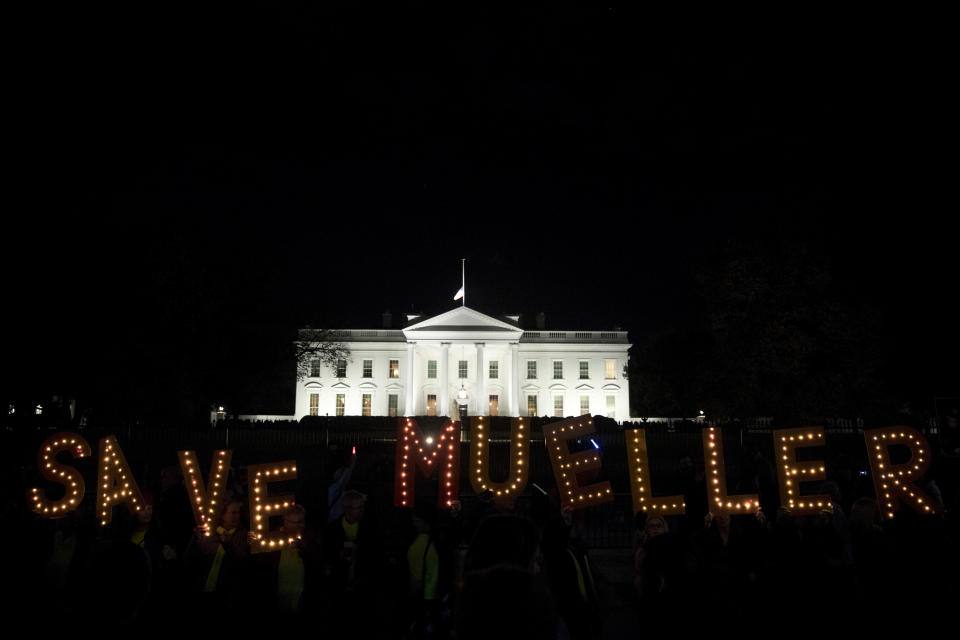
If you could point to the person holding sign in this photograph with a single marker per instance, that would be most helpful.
(216, 558)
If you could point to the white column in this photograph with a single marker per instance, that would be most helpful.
(506, 401)
(444, 383)
(410, 409)
(483, 408)
(514, 379)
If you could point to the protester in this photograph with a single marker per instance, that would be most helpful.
(504, 595)
(666, 568)
(423, 569)
(571, 577)
(336, 490)
(216, 561)
(353, 562)
(286, 581)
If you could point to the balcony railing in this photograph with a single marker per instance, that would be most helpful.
(367, 335)
(396, 335)
(575, 336)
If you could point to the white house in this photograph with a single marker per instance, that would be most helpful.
(463, 356)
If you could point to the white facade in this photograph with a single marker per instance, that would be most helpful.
(421, 370)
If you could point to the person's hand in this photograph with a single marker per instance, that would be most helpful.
(707, 520)
(251, 537)
(201, 531)
(566, 514)
(762, 519)
(455, 508)
(168, 553)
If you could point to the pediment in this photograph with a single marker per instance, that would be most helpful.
(611, 387)
(584, 387)
(340, 385)
(313, 385)
(558, 387)
(394, 387)
(462, 319)
(367, 385)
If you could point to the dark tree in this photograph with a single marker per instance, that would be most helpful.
(318, 348)
(776, 335)
(789, 341)
(670, 373)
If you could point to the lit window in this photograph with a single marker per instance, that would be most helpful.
(611, 369)
(531, 369)
(584, 369)
(367, 404)
(394, 368)
(462, 369)
(341, 369)
(431, 368)
(314, 368)
(557, 406)
(368, 368)
(558, 369)
(494, 405)
(531, 406)
(584, 405)
(392, 401)
(612, 407)
(431, 404)
(494, 369)
(314, 404)
(341, 404)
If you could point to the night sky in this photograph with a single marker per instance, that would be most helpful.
(187, 189)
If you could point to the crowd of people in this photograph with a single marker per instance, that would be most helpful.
(478, 569)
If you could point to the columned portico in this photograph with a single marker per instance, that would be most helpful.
(482, 408)
(444, 379)
(514, 379)
(409, 406)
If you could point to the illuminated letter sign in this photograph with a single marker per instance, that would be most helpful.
(414, 451)
(205, 501)
(567, 465)
(792, 472)
(480, 458)
(263, 507)
(895, 482)
(717, 499)
(115, 483)
(639, 468)
(65, 475)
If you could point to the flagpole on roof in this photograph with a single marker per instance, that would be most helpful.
(462, 294)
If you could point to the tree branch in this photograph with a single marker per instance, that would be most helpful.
(318, 345)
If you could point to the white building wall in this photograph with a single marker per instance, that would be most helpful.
(380, 385)
(597, 386)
